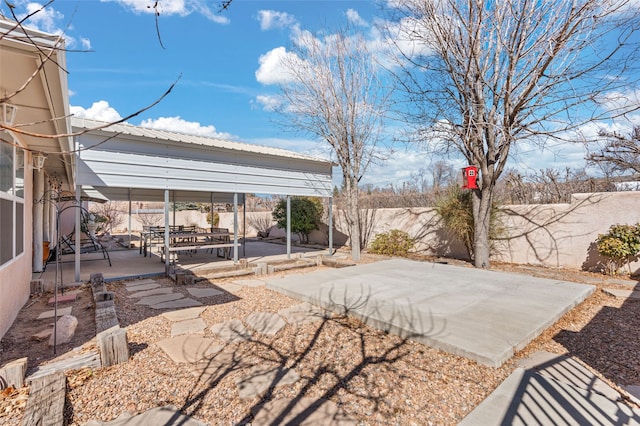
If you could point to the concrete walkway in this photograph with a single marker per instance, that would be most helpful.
(483, 315)
(554, 390)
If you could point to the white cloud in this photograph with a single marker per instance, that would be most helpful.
(268, 102)
(44, 19)
(270, 19)
(177, 124)
(354, 17)
(98, 111)
(271, 70)
(172, 7)
(86, 43)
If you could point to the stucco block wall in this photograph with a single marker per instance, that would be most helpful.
(15, 276)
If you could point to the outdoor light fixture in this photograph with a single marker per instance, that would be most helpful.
(38, 160)
(8, 113)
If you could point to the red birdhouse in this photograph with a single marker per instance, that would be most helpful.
(470, 177)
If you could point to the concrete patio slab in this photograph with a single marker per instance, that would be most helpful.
(302, 412)
(153, 292)
(177, 304)
(159, 298)
(61, 311)
(183, 314)
(200, 292)
(260, 378)
(231, 331)
(188, 348)
(190, 326)
(542, 396)
(167, 415)
(265, 322)
(480, 314)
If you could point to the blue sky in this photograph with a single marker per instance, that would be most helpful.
(222, 61)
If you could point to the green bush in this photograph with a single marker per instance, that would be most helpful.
(306, 213)
(214, 220)
(619, 246)
(392, 243)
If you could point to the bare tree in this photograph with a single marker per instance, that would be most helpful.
(622, 153)
(482, 76)
(334, 94)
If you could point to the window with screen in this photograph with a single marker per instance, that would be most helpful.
(11, 200)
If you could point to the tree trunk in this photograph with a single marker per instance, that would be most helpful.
(481, 223)
(353, 220)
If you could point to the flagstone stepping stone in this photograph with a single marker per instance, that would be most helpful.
(61, 311)
(167, 415)
(634, 392)
(312, 412)
(143, 287)
(624, 294)
(43, 335)
(152, 292)
(177, 304)
(250, 283)
(190, 326)
(141, 282)
(216, 367)
(183, 314)
(204, 292)
(261, 378)
(303, 313)
(231, 287)
(265, 322)
(231, 331)
(159, 298)
(66, 298)
(189, 348)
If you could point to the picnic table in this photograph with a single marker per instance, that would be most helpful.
(188, 239)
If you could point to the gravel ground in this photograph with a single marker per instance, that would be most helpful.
(373, 377)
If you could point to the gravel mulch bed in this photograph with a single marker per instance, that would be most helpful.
(373, 377)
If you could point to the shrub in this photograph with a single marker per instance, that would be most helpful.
(306, 213)
(214, 220)
(619, 246)
(392, 243)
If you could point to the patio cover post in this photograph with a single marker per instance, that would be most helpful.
(78, 235)
(235, 227)
(288, 227)
(129, 243)
(330, 226)
(38, 213)
(166, 231)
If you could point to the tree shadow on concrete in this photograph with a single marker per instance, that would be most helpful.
(325, 375)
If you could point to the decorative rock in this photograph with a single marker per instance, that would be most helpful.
(302, 412)
(265, 322)
(43, 335)
(250, 283)
(52, 313)
(231, 331)
(189, 348)
(218, 366)
(65, 329)
(204, 292)
(183, 314)
(191, 326)
(231, 287)
(261, 378)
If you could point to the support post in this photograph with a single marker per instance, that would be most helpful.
(78, 235)
(235, 227)
(166, 231)
(46, 216)
(129, 242)
(38, 212)
(288, 227)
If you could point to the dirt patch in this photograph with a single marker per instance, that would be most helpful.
(19, 341)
